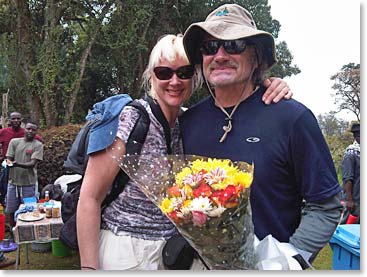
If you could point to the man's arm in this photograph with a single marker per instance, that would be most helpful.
(31, 164)
(348, 178)
(320, 220)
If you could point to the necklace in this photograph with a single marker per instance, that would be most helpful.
(227, 128)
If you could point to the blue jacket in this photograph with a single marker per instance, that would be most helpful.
(107, 114)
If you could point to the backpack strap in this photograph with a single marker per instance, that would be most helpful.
(157, 111)
(134, 145)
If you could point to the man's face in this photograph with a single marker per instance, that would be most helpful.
(357, 137)
(30, 131)
(15, 120)
(223, 69)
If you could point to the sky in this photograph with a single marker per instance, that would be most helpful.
(322, 35)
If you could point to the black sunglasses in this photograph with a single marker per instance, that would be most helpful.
(236, 46)
(166, 73)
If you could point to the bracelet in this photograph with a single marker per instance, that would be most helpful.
(88, 267)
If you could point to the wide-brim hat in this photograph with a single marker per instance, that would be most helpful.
(228, 22)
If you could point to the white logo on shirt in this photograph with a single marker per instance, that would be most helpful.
(252, 139)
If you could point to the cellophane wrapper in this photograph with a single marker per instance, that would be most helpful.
(225, 240)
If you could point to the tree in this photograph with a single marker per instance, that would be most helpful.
(347, 86)
(61, 56)
(330, 125)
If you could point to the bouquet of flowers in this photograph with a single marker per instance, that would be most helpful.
(207, 200)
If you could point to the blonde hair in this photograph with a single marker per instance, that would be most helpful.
(169, 47)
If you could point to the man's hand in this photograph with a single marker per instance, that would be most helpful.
(277, 89)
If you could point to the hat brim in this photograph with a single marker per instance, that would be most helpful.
(196, 31)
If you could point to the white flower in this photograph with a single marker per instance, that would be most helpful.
(201, 204)
(184, 212)
(216, 211)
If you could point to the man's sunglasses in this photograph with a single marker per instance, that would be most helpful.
(166, 73)
(236, 46)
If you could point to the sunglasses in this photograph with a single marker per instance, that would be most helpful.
(211, 47)
(166, 73)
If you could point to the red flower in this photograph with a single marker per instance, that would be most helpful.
(226, 198)
(174, 217)
(203, 190)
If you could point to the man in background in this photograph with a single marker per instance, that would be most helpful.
(22, 156)
(6, 134)
(351, 176)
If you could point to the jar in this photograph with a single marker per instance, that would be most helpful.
(48, 211)
(56, 212)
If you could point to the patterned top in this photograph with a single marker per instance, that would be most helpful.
(132, 213)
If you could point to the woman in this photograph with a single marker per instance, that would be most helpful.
(133, 230)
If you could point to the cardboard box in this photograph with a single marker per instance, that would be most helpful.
(345, 244)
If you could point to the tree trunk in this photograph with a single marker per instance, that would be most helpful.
(78, 81)
(26, 57)
(83, 62)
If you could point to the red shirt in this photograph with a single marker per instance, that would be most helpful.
(9, 133)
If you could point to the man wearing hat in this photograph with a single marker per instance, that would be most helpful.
(292, 160)
(351, 175)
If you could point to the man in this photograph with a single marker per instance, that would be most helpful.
(351, 175)
(22, 155)
(13, 131)
(292, 160)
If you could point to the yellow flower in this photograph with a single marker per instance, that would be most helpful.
(166, 205)
(182, 175)
(243, 178)
(188, 191)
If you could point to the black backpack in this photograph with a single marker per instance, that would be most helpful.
(76, 163)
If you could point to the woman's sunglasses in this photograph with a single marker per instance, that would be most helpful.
(166, 73)
(236, 46)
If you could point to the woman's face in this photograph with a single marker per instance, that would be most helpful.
(173, 92)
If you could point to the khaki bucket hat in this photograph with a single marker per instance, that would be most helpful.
(228, 22)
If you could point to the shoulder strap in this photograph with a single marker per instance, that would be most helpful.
(134, 145)
(157, 111)
(139, 132)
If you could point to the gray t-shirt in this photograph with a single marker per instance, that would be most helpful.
(23, 151)
(132, 213)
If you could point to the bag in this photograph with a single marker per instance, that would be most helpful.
(77, 160)
(178, 254)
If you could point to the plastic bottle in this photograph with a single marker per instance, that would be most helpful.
(2, 223)
(47, 196)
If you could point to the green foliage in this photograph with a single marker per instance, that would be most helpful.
(57, 143)
(332, 126)
(42, 57)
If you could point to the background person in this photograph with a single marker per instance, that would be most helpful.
(351, 176)
(23, 155)
(292, 160)
(6, 134)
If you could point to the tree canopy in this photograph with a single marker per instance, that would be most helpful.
(348, 90)
(58, 57)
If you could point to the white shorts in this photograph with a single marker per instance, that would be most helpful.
(128, 253)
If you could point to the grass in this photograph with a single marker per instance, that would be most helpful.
(46, 261)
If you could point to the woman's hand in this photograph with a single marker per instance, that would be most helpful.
(277, 89)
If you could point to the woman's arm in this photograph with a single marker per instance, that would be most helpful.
(99, 175)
